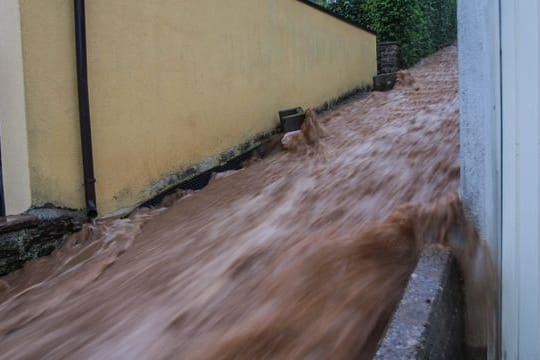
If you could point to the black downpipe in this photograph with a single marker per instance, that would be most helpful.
(84, 109)
(2, 201)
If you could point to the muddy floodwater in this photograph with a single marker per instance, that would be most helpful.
(296, 256)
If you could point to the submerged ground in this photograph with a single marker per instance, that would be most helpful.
(295, 256)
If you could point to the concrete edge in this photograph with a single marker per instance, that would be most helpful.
(28, 237)
(428, 322)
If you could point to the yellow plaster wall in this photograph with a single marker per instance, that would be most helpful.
(173, 82)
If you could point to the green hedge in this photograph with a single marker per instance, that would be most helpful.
(420, 26)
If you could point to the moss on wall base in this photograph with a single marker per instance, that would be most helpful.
(220, 162)
(28, 237)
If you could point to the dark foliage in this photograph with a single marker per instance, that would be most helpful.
(420, 26)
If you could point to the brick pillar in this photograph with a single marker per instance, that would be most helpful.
(388, 57)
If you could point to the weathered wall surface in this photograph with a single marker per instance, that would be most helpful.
(173, 83)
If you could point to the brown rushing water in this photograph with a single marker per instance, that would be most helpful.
(296, 256)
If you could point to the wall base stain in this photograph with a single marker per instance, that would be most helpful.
(172, 181)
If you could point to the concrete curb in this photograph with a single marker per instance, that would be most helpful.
(428, 323)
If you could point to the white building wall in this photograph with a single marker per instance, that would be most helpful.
(479, 62)
(520, 44)
(500, 153)
(13, 136)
